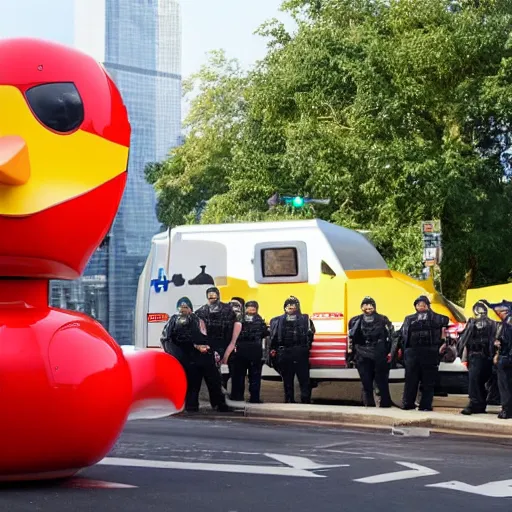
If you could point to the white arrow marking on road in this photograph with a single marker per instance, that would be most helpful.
(298, 466)
(415, 471)
(499, 489)
(302, 462)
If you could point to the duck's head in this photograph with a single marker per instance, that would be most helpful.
(64, 143)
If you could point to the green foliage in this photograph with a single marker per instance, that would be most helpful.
(398, 111)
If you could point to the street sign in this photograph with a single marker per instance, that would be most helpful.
(431, 226)
(432, 244)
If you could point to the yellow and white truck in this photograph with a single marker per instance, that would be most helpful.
(328, 267)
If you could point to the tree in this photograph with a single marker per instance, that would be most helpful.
(196, 171)
(398, 110)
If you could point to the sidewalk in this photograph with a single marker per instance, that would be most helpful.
(394, 418)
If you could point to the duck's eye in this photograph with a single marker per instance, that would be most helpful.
(58, 106)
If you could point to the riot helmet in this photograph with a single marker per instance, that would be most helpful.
(251, 309)
(479, 310)
(368, 307)
(213, 296)
(292, 308)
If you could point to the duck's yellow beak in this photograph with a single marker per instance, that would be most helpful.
(40, 168)
(14, 161)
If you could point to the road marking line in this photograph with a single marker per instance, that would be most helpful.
(302, 462)
(415, 471)
(345, 452)
(200, 466)
(499, 489)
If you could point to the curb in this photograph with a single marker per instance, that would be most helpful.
(377, 419)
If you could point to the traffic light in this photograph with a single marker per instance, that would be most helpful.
(294, 201)
(298, 202)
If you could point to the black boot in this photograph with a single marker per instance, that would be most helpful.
(224, 408)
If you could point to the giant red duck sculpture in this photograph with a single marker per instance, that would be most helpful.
(66, 387)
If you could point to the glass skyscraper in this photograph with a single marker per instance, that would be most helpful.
(142, 52)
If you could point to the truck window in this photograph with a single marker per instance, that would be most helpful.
(282, 262)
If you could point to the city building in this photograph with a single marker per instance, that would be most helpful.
(139, 43)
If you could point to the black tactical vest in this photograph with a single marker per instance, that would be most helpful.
(183, 333)
(479, 341)
(371, 331)
(421, 332)
(219, 325)
(252, 332)
(293, 334)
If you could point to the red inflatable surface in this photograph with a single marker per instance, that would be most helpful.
(66, 387)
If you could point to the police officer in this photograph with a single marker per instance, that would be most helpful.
(475, 346)
(222, 324)
(184, 337)
(249, 355)
(237, 304)
(291, 337)
(369, 343)
(503, 358)
(423, 336)
(502, 310)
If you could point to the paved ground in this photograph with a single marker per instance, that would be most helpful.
(198, 463)
(349, 393)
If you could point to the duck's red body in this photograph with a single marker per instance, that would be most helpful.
(66, 387)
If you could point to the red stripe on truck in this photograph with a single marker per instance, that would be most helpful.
(328, 351)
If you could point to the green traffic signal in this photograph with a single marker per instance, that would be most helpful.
(298, 202)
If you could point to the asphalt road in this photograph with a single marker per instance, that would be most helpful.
(228, 464)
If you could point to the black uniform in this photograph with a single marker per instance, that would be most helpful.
(248, 358)
(178, 338)
(291, 336)
(493, 392)
(476, 346)
(370, 338)
(505, 367)
(421, 337)
(219, 319)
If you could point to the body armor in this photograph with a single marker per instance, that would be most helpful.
(183, 333)
(288, 331)
(253, 331)
(479, 342)
(372, 331)
(293, 335)
(219, 319)
(421, 331)
(215, 325)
